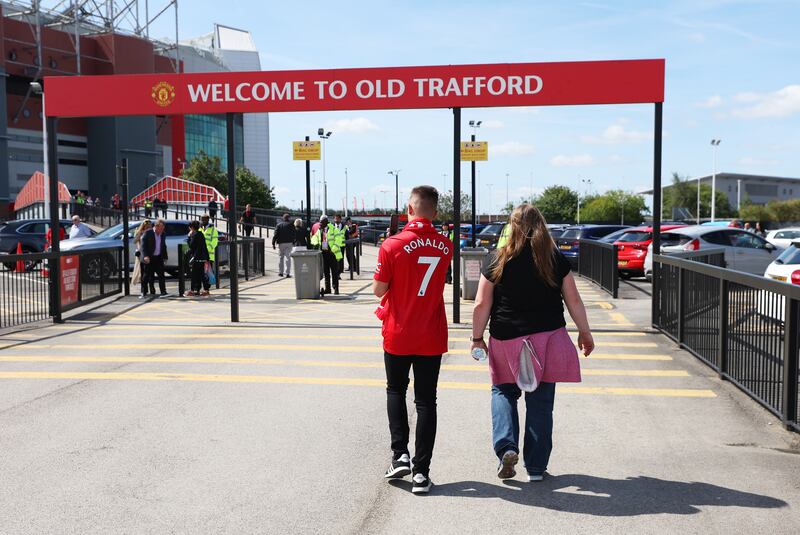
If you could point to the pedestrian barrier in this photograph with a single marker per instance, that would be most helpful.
(597, 261)
(743, 326)
(85, 277)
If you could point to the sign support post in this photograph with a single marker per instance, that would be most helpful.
(457, 215)
(233, 262)
(51, 124)
(474, 212)
(657, 133)
(308, 193)
(125, 227)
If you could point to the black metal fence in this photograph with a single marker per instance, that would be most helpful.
(744, 326)
(251, 255)
(597, 262)
(85, 277)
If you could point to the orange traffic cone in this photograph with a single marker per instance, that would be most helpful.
(20, 264)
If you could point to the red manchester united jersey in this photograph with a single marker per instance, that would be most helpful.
(414, 263)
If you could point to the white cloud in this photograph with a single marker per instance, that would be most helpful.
(356, 125)
(493, 124)
(511, 148)
(781, 103)
(380, 187)
(617, 134)
(756, 162)
(571, 161)
(616, 158)
(280, 190)
(524, 110)
(746, 97)
(713, 101)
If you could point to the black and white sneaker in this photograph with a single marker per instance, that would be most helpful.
(506, 469)
(399, 467)
(422, 484)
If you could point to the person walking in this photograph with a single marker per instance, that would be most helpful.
(154, 255)
(409, 280)
(341, 230)
(300, 235)
(211, 235)
(136, 278)
(760, 230)
(212, 209)
(148, 208)
(78, 229)
(247, 220)
(199, 260)
(284, 239)
(523, 290)
(326, 239)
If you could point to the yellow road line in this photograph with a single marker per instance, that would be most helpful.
(310, 363)
(225, 378)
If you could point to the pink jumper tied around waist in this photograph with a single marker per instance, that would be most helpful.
(555, 350)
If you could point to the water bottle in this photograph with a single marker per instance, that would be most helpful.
(479, 354)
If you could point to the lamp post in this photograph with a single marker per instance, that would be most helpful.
(323, 135)
(36, 89)
(396, 174)
(507, 189)
(384, 199)
(714, 144)
(490, 200)
(587, 183)
(474, 125)
(698, 200)
(346, 193)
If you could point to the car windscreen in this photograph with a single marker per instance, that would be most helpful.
(111, 232)
(635, 236)
(492, 229)
(611, 238)
(790, 256)
(571, 233)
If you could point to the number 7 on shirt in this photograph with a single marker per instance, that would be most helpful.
(432, 262)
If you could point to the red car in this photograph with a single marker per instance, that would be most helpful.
(632, 249)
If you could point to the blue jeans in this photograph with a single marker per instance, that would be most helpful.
(538, 423)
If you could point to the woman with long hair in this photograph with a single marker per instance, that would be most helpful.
(524, 290)
(137, 242)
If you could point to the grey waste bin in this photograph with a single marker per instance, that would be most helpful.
(472, 261)
(307, 273)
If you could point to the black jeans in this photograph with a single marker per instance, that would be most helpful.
(330, 269)
(152, 269)
(248, 230)
(199, 279)
(426, 377)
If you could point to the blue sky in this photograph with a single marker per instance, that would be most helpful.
(733, 72)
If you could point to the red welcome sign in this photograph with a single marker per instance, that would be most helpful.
(492, 85)
(70, 279)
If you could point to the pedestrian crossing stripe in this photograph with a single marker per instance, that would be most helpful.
(340, 381)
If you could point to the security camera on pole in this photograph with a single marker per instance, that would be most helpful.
(323, 135)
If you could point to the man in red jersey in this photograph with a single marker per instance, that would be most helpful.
(409, 279)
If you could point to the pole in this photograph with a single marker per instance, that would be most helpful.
(346, 192)
(45, 150)
(457, 215)
(698, 200)
(233, 263)
(713, 180)
(324, 181)
(657, 132)
(474, 209)
(125, 228)
(308, 192)
(51, 124)
(397, 192)
(506, 189)
(738, 194)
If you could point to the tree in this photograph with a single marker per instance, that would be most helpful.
(683, 194)
(614, 206)
(784, 211)
(557, 204)
(754, 212)
(250, 189)
(446, 207)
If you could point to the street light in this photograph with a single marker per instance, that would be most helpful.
(506, 189)
(714, 144)
(474, 125)
(323, 135)
(346, 192)
(490, 200)
(36, 89)
(384, 198)
(396, 174)
(587, 183)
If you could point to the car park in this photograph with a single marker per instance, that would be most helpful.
(556, 229)
(569, 241)
(786, 268)
(744, 251)
(490, 235)
(614, 236)
(784, 237)
(734, 223)
(466, 234)
(632, 249)
(28, 235)
(176, 232)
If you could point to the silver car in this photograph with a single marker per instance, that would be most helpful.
(176, 232)
(744, 251)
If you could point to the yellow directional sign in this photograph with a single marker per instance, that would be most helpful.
(474, 151)
(306, 150)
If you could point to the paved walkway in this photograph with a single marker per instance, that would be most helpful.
(164, 417)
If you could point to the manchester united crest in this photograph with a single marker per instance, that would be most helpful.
(163, 94)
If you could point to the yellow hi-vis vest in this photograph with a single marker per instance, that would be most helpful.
(504, 235)
(212, 238)
(335, 240)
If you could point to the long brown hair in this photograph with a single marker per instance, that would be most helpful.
(528, 226)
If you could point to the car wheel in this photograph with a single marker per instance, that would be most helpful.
(625, 275)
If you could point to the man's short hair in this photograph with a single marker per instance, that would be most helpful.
(425, 199)
(160, 221)
(76, 216)
(286, 217)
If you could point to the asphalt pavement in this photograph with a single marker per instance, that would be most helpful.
(163, 417)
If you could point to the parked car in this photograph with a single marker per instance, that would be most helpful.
(556, 229)
(784, 237)
(632, 249)
(786, 268)
(734, 223)
(614, 236)
(490, 235)
(27, 233)
(176, 232)
(569, 241)
(744, 251)
(466, 234)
